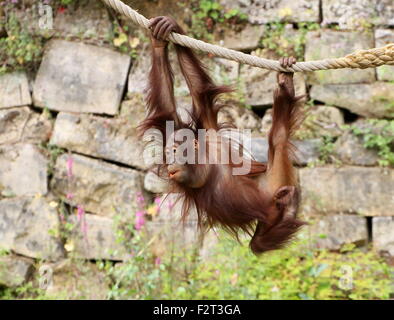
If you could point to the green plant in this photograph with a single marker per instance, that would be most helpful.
(273, 36)
(300, 39)
(28, 290)
(66, 2)
(326, 149)
(137, 277)
(388, 105)
(53, 152)
(146, 274)
(209, 9)
(125, 42)
(379, 135)
(3, 252)
(208, 13)
(300, 271)
(19, 49)
(297, 272)
(285, 42)
(205, 9)
(235, 15)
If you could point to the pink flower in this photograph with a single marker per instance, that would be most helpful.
(69, 196)
(80, 212)
(157, 200)
(81, 217)
(139, 224)
(157, 261)
(139, 221)
(140, 199)
(140, 214)
(69, 164)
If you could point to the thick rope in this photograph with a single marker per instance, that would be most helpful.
(358, 60)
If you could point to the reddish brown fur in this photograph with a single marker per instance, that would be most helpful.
(234, 202)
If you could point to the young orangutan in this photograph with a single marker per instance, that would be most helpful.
(262, 202)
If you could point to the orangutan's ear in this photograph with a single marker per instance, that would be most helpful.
(284, 195)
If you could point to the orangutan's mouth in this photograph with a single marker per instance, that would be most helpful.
(172, 173)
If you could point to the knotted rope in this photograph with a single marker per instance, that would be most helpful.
(361, 59)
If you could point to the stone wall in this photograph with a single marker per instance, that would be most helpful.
(68, 132)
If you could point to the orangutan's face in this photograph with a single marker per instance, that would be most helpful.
(192, 175)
